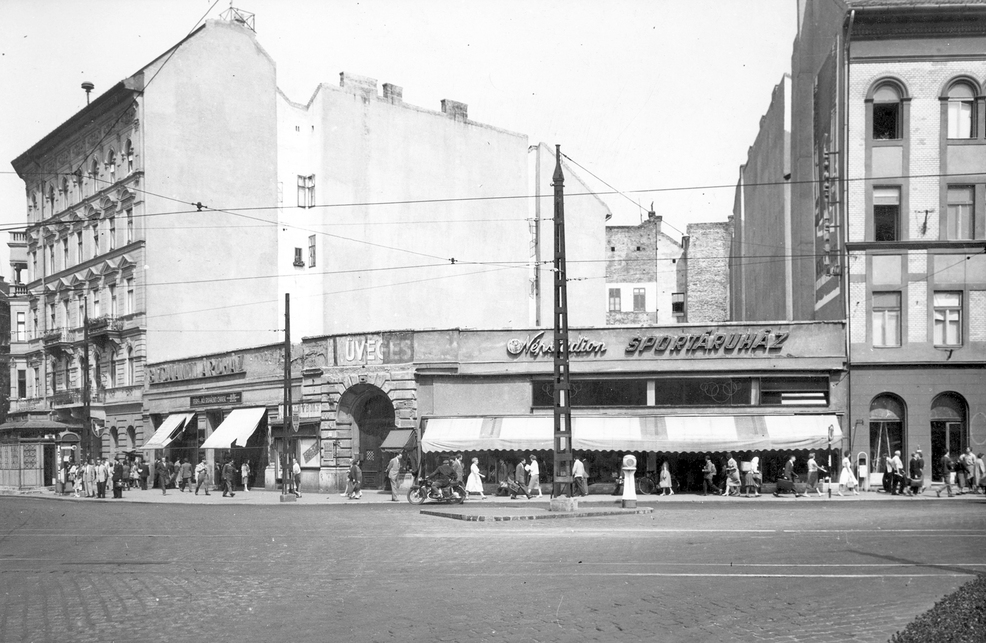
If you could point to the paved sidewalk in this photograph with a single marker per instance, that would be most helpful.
(374, 497)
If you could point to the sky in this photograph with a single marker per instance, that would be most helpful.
(658, 99)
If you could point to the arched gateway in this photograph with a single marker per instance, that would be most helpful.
(368, 413)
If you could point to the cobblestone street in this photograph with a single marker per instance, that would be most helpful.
(819, 571)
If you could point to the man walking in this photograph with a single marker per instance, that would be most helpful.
(578, 475)
(186, 475)
(161, 474)
(947, 473)
(969, 464)
(202, 477)
(898, 477)
(102, 475)
(534, 479)
(228, 474)
(813, 470)
(393, 472)
(708, 476)
(296, 477)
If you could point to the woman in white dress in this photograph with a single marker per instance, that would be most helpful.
(847, 481)
(664, 481)
(475, 482)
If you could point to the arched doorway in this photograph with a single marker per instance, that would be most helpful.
(949, 430)
(370, 416)
(886, 428)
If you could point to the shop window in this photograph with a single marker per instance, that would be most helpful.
(588, 393)
(886, 214)
(961, 111)
(678, 303)
(958, 216)
(948, 318)
(886, 429)
(639, 300)
(813, 391)
(887, 114)
(306, 191)
(886, 319)
(716, 391)
(614, 300)
(949, 430)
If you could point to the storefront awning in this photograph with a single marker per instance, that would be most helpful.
(666, 434)
(170, 429)
(701, 433)
(236, 429)
(397, 439)
(525, 433)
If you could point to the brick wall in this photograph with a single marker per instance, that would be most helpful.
(707, 274)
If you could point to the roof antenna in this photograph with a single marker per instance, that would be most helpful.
(88, 87)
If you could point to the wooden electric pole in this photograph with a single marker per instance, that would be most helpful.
(562, 403)
(286, 469)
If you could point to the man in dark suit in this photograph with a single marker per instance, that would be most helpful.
(228, 474)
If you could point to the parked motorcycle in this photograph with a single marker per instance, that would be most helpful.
(421, 491)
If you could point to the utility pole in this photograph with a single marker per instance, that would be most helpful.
(286, 468)
(562, 485)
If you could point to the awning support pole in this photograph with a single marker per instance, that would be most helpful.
(562, 485)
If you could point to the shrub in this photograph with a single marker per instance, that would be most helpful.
(960, 617)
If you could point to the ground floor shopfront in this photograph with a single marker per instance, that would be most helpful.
(667, 394)
(906, 408)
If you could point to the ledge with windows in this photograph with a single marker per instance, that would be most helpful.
(973, 245)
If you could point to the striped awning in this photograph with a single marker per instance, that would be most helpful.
(170, 429)
(663, 434)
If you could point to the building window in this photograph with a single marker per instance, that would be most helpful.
(51, 258)
(111, 165)
(887, 114)
(130, 296)
(639, 300)
(958, 218)
(886, 319)
(678, 303)
(95, 303)
(65, 314)
(95, 240)
(130, 225)
(131, 369)
(298, 261)
(82, 310)
(311, 251)
(112, 240)
(65, 261)
(614, 300)
(51, 316)
(112, 367)
(948, 318)
(886, 429)
(113, 311)
(21, 383)
(787, 391)
(129, 150)
(306, 191)
(93, 178)
(21, 327)
(66, 200)
(886, 214)
(79, 252)
(961, 111)
(34, 265)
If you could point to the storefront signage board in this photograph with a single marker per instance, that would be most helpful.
(195, 369)
(217, 399)
(377, 348)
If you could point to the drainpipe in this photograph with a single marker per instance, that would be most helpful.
(844, 227)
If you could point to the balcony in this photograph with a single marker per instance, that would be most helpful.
(56, 340)
(103, 328)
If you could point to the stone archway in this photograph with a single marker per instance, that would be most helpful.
(369, 414)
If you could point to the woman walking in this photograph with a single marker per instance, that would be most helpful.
(664, 480)
(847, 481)
(475, 482)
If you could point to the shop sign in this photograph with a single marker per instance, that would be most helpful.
(216, 399)
(205, 367)
(707, 343)
(535, 346)
(383, 348)
(301, 410)
(309, 454)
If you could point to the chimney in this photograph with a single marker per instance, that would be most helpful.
(455, 110)
(393, 94)
(359, 84)
(656, 218)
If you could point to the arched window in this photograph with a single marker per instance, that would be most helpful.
(949, 430)
(888, 114)
(51, 199)
(886, 428)
(129, 151)
(961, 111)
(66, 193)
(114, 440)
(131, 437)
(94, 178)
(111, 165)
